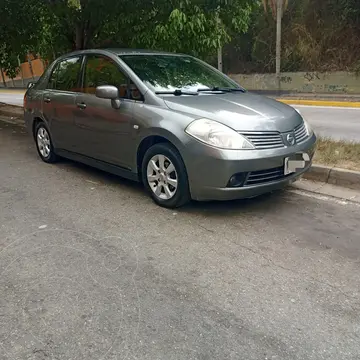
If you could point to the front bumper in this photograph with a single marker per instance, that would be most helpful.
(210, 169)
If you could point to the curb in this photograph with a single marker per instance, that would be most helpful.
(335, 176)
(349, 104)
(12, 91)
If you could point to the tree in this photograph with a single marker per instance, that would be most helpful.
(18, 32)
(175, 25)
(198, 27)
(83, 21)
(11, 67)
(9, 63)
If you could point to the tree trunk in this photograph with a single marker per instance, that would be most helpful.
(82, 31)
(3, 77)
(278, 42)
(31, 68)
(22, 73)
(79, 37)
(43, 63)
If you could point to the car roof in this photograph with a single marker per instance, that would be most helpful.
(140, 52)
(120, 51)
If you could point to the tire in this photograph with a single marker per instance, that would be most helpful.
(166, 176)
(44, 144)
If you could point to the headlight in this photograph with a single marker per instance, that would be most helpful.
(309, 130)
(218, 135)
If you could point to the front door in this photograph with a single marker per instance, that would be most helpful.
(59, 102)
(104, 133)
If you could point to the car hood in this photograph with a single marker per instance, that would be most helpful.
(240, 111)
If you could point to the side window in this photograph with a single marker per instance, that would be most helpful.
(65, 75)
(52, 79)
(100, 70)
(134, 92)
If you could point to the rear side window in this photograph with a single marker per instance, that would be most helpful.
(65, 75)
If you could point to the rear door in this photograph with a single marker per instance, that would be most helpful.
(59, 101)
(104, 131)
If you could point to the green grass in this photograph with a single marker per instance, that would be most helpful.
(340, 154)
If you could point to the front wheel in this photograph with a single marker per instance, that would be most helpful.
(164, 176)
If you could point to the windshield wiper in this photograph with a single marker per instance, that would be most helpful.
(176, 92)
(215, 88)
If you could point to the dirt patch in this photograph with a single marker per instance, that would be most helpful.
(12, 111)
(340, 154)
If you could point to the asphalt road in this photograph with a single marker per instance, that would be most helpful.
(91, 269)
(337, 123)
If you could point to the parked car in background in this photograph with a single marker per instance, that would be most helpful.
(171, 121)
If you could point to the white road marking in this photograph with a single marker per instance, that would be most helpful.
(92, 182)
(317, 196)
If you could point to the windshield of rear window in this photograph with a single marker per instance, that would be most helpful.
(170, 72)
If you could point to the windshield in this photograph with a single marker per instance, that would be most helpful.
(171, 72)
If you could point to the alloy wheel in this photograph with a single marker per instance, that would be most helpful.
(162, 177)
(43, 142)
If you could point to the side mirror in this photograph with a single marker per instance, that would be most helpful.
(30, 84)
(107, 92)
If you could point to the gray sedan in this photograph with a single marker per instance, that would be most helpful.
(171, 121)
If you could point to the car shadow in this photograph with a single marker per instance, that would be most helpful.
(262, 203)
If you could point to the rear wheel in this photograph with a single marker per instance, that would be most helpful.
(164, 176)
(44, 144)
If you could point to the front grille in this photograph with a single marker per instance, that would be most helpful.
(300, 133)
(264, 176)
(264, 140)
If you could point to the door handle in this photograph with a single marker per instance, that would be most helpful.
(47, 100)
(81, 105)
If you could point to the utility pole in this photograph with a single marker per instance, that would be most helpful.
(278, 41)
(219, 54)
(220, 67)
